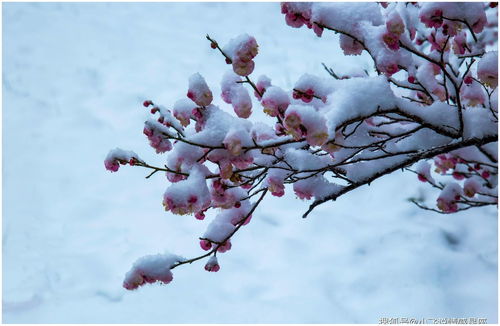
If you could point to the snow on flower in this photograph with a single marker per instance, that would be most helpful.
(212, 265)
(198, 90)
(275, 101)
(487, 69)
(119, 156)
(187, 196)
(151, 269)
(424, 172)
(242, 50)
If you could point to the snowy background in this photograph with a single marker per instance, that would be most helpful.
(74, 78)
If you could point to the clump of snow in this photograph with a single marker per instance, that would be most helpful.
(242, 103)
(302, 160)
(473, 94)
(183, 109)
(275, 181)
(423, 169)
(219, 228)
(472, 185)
(316, 186)
(236, 139)
(188, 196)
(119, 156)
(358, 97)
(478, 116)
(212, 265)
(151, 269)
(275, 101)
(227, 84)
(447, 200)
(226, 221)
(198, 90)
(263, 82)
(437, 114)
(242, 50)
(184, 156)
(346, 17)
(349, 45)
(487, 69)
(305, 121)
(312, 87)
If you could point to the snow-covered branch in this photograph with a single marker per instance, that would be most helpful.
(431, 103)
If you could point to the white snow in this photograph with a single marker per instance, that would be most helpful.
(487, 68)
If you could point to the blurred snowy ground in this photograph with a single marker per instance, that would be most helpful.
(74, 76)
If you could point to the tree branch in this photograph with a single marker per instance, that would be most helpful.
(411, 160)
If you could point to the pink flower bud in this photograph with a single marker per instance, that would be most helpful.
(133, 281)
(166, 278)
(175, 177)
(432, 18)
(262, 84)
(111, 165)
(471, 187)
(276, 186)
(317, 30)
(447, 206)
(459, 43)
(205, 245)
(350, 46)
(246, 186)
(199, 215)
(458, 176)
(395, 24)
(294, 20)
(389, 69)
(307, 98)
(275, 101)
(292, 120)
(226, 246)
(247, 50)
(243, 68)
(247, 220)
(212, 265)
(147, 131)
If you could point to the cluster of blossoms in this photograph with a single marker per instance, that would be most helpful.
(120, 156)
(298, 14)
(151, 269)
(473, 180)
(431, 100)
(240, 53)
